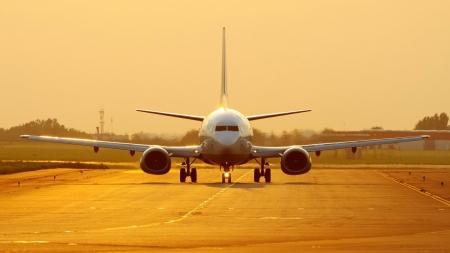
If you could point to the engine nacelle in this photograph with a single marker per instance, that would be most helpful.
(295, 161)
(156, 160)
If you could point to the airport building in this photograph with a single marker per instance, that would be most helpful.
(439, 139)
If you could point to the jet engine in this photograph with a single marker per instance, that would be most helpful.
(295, 161)
(155, 160)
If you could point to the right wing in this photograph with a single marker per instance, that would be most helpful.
(267, 152)
(270, 115)
(183, 151)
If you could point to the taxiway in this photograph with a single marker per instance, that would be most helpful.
(127, 210)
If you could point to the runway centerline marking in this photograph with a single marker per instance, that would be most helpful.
(435, 197)
(188, 214)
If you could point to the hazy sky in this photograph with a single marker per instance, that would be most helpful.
(354, 63)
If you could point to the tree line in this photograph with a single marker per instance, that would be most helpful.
(436, 122)
(286, 138)
(41, 127)
(53, 128)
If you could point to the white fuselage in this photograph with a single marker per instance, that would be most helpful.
(226, 137)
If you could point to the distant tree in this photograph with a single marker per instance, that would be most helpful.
(435, 122)
(190, 138)
(327, 130)
(41, 127)
(292, 137)
(376, 128)
(138, 137)
(443, 119)
(259, 137)
(154, 139)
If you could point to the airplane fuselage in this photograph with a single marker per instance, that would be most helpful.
(226, 138)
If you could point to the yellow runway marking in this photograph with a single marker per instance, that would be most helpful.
(435, 197)
(188, 213)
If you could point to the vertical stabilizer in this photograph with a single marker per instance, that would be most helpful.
(224, 90)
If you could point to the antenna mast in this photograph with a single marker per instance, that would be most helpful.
(102, 121)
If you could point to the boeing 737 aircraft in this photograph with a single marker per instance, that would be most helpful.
(225, 141)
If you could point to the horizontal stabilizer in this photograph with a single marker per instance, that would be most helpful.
(176, 115)
(271, 115)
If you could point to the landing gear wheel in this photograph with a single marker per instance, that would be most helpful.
(229, 178)
(256, 175)
(182, 175)
(193, 175)
(223, 178)
(267, 175)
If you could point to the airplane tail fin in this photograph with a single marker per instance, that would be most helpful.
(224, 90)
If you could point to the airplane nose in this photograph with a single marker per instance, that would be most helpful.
(227, 139)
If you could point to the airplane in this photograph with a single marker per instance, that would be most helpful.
(225, 141)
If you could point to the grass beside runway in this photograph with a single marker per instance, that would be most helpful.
(9, 167)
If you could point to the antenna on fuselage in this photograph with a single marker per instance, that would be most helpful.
(223, 90)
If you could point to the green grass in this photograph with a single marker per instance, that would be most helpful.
(20, 166)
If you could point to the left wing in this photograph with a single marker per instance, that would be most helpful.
(267, 152)
(183, 151)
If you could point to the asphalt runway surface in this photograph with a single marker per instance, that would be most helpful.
(127, 211)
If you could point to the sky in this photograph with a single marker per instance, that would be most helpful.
(356, 64)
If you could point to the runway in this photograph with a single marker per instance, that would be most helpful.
(127, 210)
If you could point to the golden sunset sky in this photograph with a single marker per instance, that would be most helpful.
(354, 63)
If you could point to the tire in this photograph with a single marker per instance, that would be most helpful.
(194, 175)
(182, 175)
(229, 178)
(223, 178)
(256, 175)
(268, 175)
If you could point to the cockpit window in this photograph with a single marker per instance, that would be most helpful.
(227, 128)
(221, 128)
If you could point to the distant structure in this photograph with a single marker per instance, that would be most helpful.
(102, 121)
(440, 139)
(107, 136)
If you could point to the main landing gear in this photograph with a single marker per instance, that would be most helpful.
(188, 172)
(263, 171)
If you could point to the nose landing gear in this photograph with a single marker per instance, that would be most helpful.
(226, 175)
(188, 172)
(263, 171)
